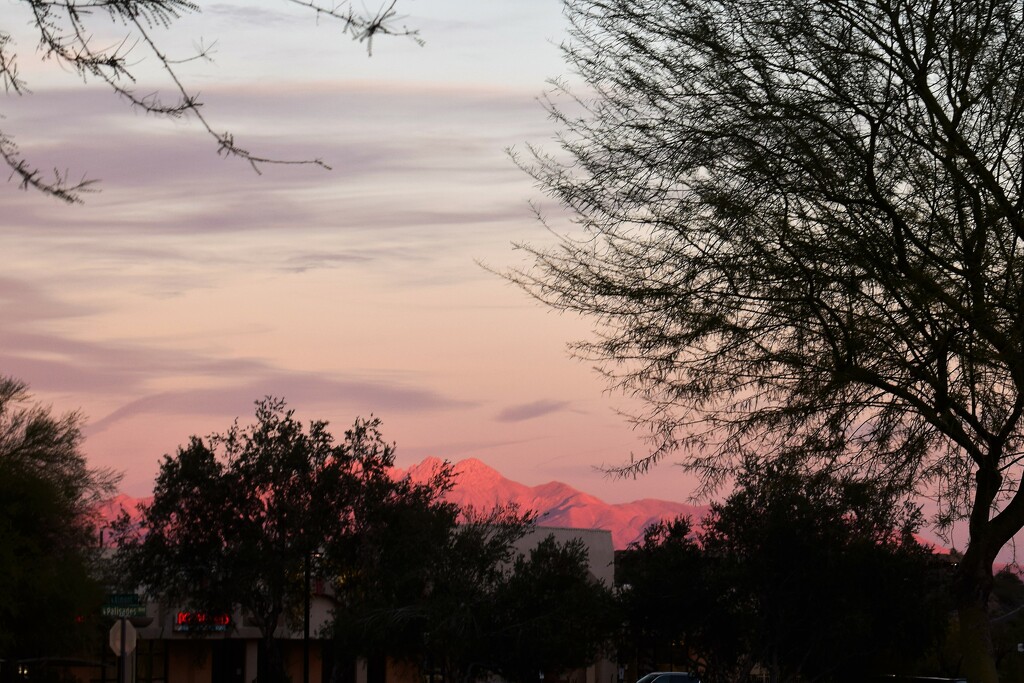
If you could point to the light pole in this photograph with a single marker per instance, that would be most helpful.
(305, 623)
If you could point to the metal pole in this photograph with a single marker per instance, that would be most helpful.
(124, 647)
(305, 625)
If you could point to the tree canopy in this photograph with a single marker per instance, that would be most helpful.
(49, 574)
(663, 598)
(432, 608)
(465, 605)
(67, 35)
(820, 578)
(810, 577)
(550, 615)
(798, 227)
(237, 519)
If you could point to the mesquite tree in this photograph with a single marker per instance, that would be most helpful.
(798, 226)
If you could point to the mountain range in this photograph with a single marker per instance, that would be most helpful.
(556, 504)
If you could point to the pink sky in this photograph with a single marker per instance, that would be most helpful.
(190, 286)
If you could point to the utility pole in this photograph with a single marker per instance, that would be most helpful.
(305, 624)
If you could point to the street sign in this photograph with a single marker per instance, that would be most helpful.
(119, 612)
(123, 605)
(130, 637)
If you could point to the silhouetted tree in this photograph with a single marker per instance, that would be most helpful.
(464, 605)
(67, 34)
(549, 614)
(432, 607)
(663, 597)
(237, 518)
(49, 575)
(381, 608)
(798, 224)
(1007, 610)
(818, 578)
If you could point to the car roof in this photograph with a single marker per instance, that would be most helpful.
(667, 676)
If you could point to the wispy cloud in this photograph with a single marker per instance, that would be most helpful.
(54, 362)
(442, 184)
(364, 396)
(530, 411)
(27, 302)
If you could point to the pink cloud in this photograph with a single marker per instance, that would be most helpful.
(529, 411)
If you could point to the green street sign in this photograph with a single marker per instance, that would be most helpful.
(133, 611)
(123, 605)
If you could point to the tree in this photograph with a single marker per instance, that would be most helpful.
(1007, 608)
(819, 578)
(49, 548)
(67, 33)
(381, 605)
(432, 608)
(663, 597)
(549, 614)
(236, 519)
(798, 230)
(465, 605)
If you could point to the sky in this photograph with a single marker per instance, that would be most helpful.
(190, 286)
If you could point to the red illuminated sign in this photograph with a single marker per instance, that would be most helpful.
(201, 621)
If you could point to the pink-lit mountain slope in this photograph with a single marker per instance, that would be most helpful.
(556, 504)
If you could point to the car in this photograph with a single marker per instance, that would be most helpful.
(669, 677)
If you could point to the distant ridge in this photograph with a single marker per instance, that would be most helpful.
(556, 504)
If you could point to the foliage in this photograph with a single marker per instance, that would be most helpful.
(462, 585)
(237, 519)
(380, 607)
(464, 605)
(549, 614)
(49, 591)
(67, 33)
(812, 577)
(428, 607)
(1007, 609)
(819, 578)
(663, 597)
(798, 227)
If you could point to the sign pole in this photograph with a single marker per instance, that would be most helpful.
(305, 625)
(123, 638)
(124, 646)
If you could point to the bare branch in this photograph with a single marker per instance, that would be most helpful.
(364, 28)
(59, 186)
(64, 33)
